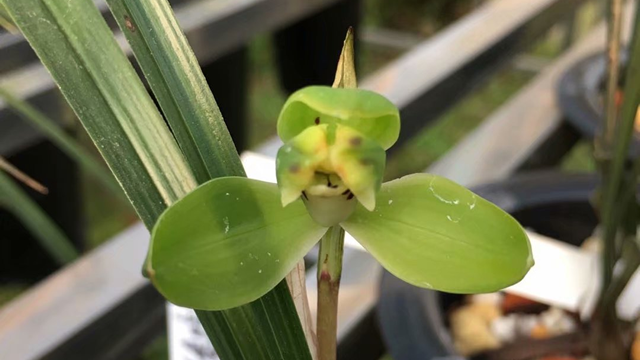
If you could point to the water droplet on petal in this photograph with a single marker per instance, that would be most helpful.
(225, 220)
(453, 220)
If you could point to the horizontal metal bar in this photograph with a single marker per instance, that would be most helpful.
(513, 134)
(438, 73)
(389, 38)
(17, 52)
(59, 309)
(430, 79)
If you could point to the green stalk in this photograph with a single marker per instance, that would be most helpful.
(606, 333)
(604, 143)
(332, 243)
(329, 273)
(614, 29)
(618, 195)
(613, 169)
(619, 283)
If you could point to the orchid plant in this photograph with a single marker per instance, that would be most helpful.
(232, 239)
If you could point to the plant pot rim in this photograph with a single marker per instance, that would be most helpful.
(578, 93)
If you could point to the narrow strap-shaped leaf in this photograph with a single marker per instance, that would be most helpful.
(63, 141)
(149, 183)
(228, 243)
(174, 75)
(434, 233)
(14, 199)
(176, 79)
(77, 47)
(283, 341)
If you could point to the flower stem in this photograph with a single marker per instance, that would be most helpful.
(332, 243)
(329, 272)
(604, 144)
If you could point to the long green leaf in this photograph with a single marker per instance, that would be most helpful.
(174, 75)
(62, 140)
(16, 200)
(75, 44)
(141, 153)
(257, 330)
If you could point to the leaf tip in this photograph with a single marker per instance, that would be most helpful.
(346, 72)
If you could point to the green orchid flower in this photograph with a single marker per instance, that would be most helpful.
(233, 239)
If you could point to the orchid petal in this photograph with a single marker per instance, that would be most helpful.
(434, 233)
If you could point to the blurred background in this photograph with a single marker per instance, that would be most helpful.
(254, 53)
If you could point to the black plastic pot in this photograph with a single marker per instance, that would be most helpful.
(413, 320)
(580, 94)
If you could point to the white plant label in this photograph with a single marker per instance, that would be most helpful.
(187, 339)
(569, 277)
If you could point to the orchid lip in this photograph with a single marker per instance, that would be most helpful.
(329, 160)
